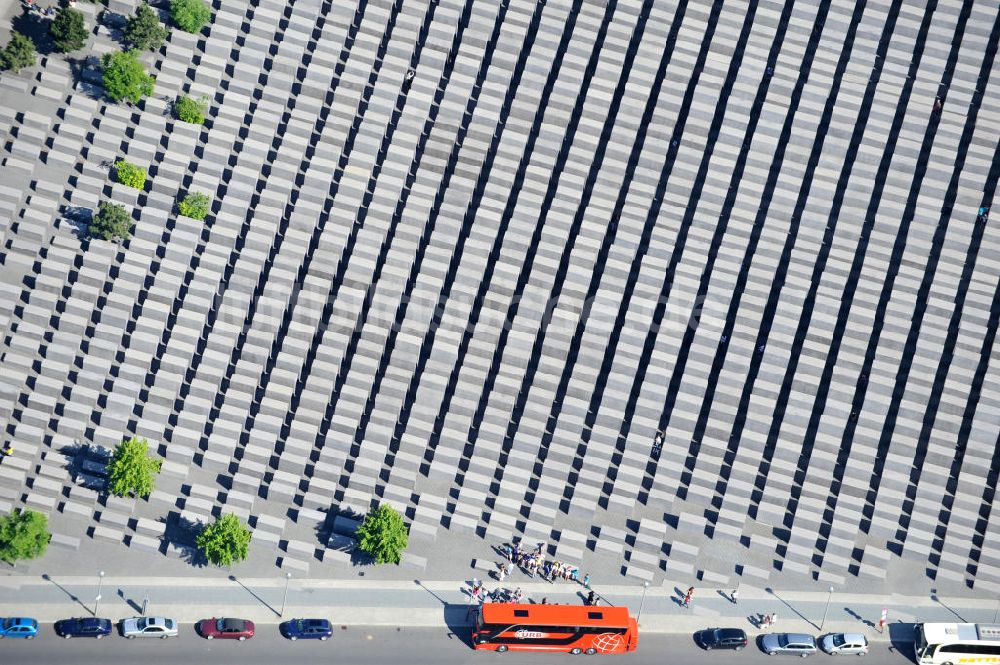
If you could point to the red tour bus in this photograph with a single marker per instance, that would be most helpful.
(566, 628)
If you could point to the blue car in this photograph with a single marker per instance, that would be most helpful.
(83, 627)
(307, 629)
(18, 627)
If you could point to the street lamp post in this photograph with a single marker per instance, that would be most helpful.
(145, 602)
(827, 609)
(645, 585)
(288, 577)
(100, 583)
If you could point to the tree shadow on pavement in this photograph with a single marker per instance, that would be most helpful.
(34, 25)
(88, 75)
(181, 533)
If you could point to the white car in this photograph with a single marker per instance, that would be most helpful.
(149, 627)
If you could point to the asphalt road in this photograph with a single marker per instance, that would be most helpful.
(362, 646)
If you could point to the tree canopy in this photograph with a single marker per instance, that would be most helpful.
(23, 535)
(125, 77)
(143, 29)
(191, 110)
(132, 470)
(129, 174)
(190, 15)
(225, 542)
(19, 52)
(383, 534)
(112, 222)
(195, 205)
(68, 30)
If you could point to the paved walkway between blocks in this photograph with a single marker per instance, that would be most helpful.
(419, 604)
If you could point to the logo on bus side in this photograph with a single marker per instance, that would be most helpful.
(608, 642)
(530, 635)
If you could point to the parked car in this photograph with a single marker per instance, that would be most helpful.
(306, 629)
(788, 644)
(83, 627)
(721, 638)
(22, 627)
(839, 644)
(149, 627)
(226, 629)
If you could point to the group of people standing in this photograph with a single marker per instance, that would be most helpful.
(534, 563)
(48, 12)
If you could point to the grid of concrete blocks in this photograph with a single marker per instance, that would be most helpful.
(469, 258)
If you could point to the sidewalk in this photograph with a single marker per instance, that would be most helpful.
(438, 604)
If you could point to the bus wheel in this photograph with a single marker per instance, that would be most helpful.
(502, 648)
(591, 651)
(576, 651)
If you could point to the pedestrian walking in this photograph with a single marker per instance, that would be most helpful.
(503, 572)
(774, 619)
(586, 580)
(734, 596)
(766, 622)
(591, 598)
(510, 569)
(545, 600)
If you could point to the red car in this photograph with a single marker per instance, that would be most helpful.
(226, 629)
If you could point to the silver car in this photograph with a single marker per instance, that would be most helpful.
(149, 627)
(788, 644)
(836, 644)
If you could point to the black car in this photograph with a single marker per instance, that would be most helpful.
(721, 638)
(83, 627)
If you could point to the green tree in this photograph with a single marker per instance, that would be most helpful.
(68, 30)
(19, 52)
(129, 174)
(191, 110)
(132, 470)
(112, 222)
(383, 534)
(125, 77)
(143, 30)
(190, 15)
(225, 542)
(194, 205)
(23, 535)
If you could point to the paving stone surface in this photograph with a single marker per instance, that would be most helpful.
(681, 289)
